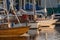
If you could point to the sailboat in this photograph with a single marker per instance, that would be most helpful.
(7, 29)
(42, 20)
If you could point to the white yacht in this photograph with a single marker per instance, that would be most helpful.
(42, 19)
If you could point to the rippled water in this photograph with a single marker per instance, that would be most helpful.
(53, 34)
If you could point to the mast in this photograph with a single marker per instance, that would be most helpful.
(24, 4)
(9, 24)
(11, 3)
(19, 4)
(4, 4)
(5, 7)
(11, 6)
(34, 8)
(29, 4)
(45, 10)
(20, 1)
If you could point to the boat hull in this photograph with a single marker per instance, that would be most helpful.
(46, 22)
(14, 31)
(47, 28)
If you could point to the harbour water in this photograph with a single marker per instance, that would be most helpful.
(53, 34)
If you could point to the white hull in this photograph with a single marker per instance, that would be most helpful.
(46, 22)
(41, 23)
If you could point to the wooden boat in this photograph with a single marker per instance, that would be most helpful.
(7, 29)
(14, 31)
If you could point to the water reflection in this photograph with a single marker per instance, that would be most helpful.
(53, 34)
(50, 34)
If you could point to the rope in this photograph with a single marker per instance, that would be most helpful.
(11, 6)
(17, 17)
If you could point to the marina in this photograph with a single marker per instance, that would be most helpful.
(29, 20)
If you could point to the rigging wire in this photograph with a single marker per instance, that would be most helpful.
(11, 6)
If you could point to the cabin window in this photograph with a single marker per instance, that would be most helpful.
(39, 16)
(31, 17)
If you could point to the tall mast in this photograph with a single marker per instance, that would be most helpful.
(11, 6)
(29, 4)
(34, 8)
(45, 10)
(4, 4)
(19, 4)
(5, 7)
(24, 4)
(20, 1)
(9, 24)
